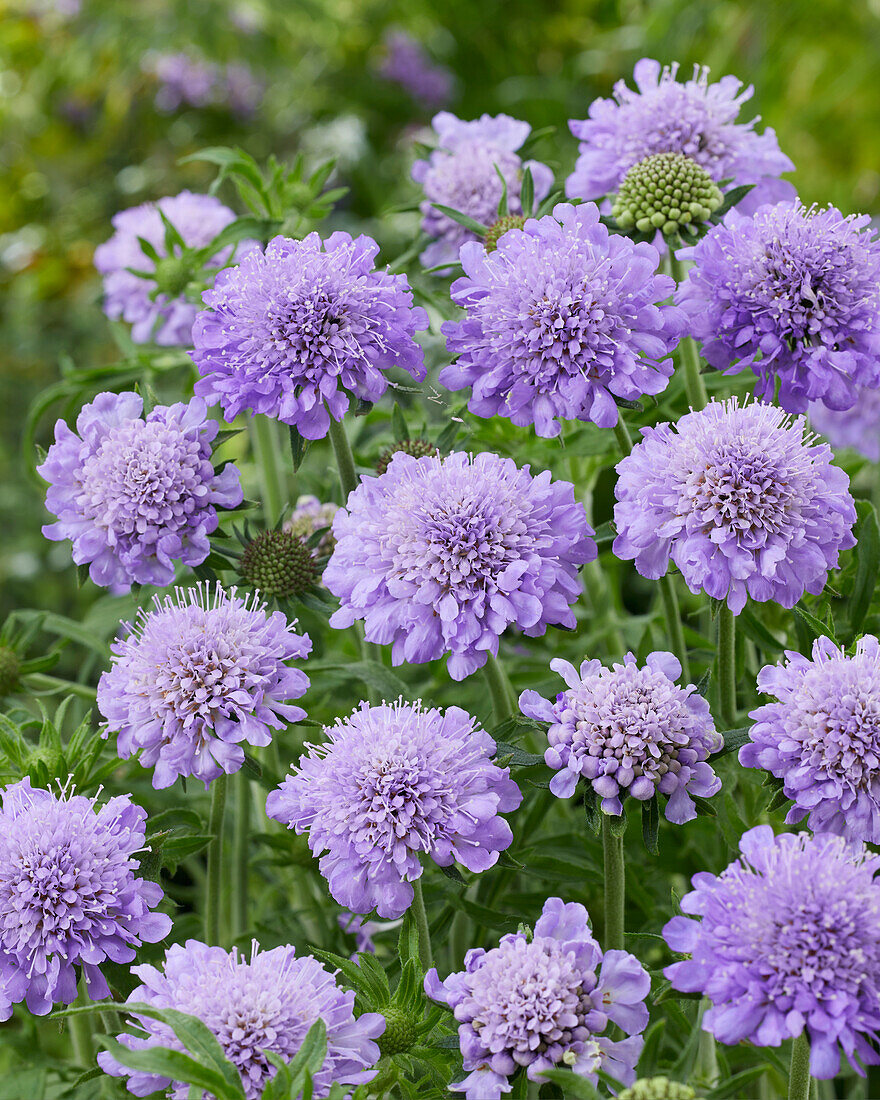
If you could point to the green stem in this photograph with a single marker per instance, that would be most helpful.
(706, 1069)
(727, 666)
(799, 1075)
(615, 886)
(503, 704)
(213, 906)
(621, 432)
(694, 386)
(81, 1032)
(267, 450)
(348, 478)
(241, 847)
(418, 908)
(39, 681)
(674, 624)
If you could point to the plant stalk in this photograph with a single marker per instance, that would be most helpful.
(799, 1074)
(267, 451)
(348, 478)
(727, 666)
(615, 886)
(503, 703)
(674, 624)
(621, 433)
(80, 1026)
(213, 903)
(241, 848)
(426, 958)
(694, 386)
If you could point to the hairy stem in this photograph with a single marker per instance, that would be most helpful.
(241, 847)
(674, 624)
(503, 703)
(694, 386)
(727, 666)
(81, 1032)
(621, 432)
(213, 905)
(799, 1074)
(267, 451)
(615, 886)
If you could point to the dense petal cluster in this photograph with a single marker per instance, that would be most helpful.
(162, 318)
(310, 515)
(561, 318)
(443, 555)
(292, 331)
(135, 495)
(69, 894)
(198, 674)
(257, 1006)
(407, 64)
(544, 1003)
(663, 115)
(858, 427)
(793, 293)
(392, 782)
(629, 731)
(744, 503)
(821, 736)
(463, 174)
(789, 938)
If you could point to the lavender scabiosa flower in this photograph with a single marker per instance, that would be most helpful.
(69, 894)
(740, 498)
(793, 293)
(255, 1006)
(444, 554)
(407, 64)
(242, 90)
(310, 515)
(544, 1003)
(789, 939)
(663, 115)
(291, 331)
(136, 494)
(858, 427)
(463, 173)
(560, 319)
(198, 674)
(629, 731)
(390, 782)
(163, 318)
(184, 80)
(821, 736)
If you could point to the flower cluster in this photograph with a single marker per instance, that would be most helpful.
(629, 731)
(390, 783)
(197, 675)
(442, 555)
(408, 65)
(561, 318)
(544, 1002)
(69, 894)
(133, 494)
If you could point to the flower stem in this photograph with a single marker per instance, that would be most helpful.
(264, 436)
(499, 689)
(674, 624)
(241, 847)
(727, 666)
(418, 907)
(348, 478)
(81, 1032)
(615, 886)
(799, 1075)
(621, 432)
(694, 386)
(706, 1069)
(213, 905)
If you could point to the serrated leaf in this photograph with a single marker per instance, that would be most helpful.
(813, 624)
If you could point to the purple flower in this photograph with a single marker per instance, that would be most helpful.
(664, 116)
(406, 63)
(542, 1003)
(741, 500)
(629, 731)
(134, 495)
(184, 80)
(257, 1006)
(362, 930)
(443, 555)
(858, 427)
(390, 782)
(242, 90)
(309, 516)
(69, 894)
(463, 173)
(821, 736)
(789, 939)
(560, 319)
(163, 319)
(793, 293)
(291, 329)
(197, 675)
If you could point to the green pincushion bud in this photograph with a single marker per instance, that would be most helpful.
(665, 191)
(400, 1032)
(173, 274)
(418, 448)
(657, 1088)
(499, 228)
(278, 563)
(10, 670)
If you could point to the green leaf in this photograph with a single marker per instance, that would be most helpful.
(816, 627)
(867, 555)
(731, 198)
(242, 229)
(651, 825)
(753, 628)
(408, 940)
(298, 448)
(574, 1087)
(734, 1087)
(518, 758)
(376, 677)
(462, 219)
(527, 193)
(453, 873)
(591, 809)
(165, 1062)
(502, 202)
(733, 741)
(398, 424)
(616, 822)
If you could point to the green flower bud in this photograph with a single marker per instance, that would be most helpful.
(173, 274)
(10, 670)
(279, 564)
(399, 1034)
(418, 448)
(665, 191)
(657, 1088)
(511, 221)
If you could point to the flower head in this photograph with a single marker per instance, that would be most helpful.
(629, 731)
(821, 736)
(792, 292)
(407, 64)
(789, 938)
(184, 80)
(442, 555)
(69, 894)
(136, 494)
(657, 1088)
(560, 319)
(279, 564)
(166, 319)
(544, 1003)
(291, 331)
(255, 1007)
(390, 782)
(665, 191)
(858, 427)
(664, 116)
(740, 498)
(310, 515)
(198, 674)
(417, 447)
(468, 172)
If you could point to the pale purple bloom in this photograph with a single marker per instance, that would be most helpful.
(242, 90)
(362, 930)
(292, 331)
(821, 736)
(254, 1006)
(128, 297)
(545, 1002)
(663, 115)
(629, 731)
(562, 317)
(742, 500)
(462, 173)
(70, 896)
(858, 427)
(196, 675)
(310, 515)
(133, 494)
(407, 63)
(793, 293)
(789, 938)
(184, 80)
(443, 555)
(391, 782)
